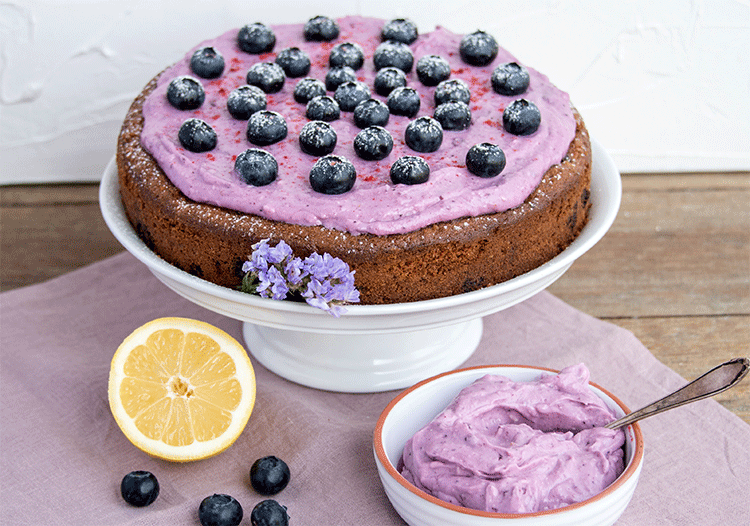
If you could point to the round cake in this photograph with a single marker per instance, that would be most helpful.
(432, 164)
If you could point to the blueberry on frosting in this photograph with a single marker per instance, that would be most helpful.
(308, 88)
(387, 79)
(400, 30)
(521, 117)
(185, 93)
(323, 108)
(453, 115)
(346, 54)
(485, 160)
(372, 112)
(410, 169)
(373, 143)
(266, 127)
(256, 167)
(478, 48)
(393, 54)
(432, 70)
(317, 138)
(197, 136)
(294, 62)
(268, 76)
(246, 100)
(424, 135)
(337, 76)
(404, 101)
(510, 79)
(351, 93)
(332, 175)
(207, 63)
(256, 38)
(452, 90)
(321, 29)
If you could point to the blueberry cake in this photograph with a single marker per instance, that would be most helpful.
(433, 163)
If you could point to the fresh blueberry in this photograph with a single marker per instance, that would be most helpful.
(268, 76)
(269, 475)
(521, 117)
(207, 62)
(294, 62)
(371, 112)
(400, 30)
(246, 100)
(452, 90)
(317, 138)
(388, 79)
(373, 143)
(404, 101)
(197, 136)
(393, 54)
(510, 79)
(185, 93)
(269, 513)
(485, 160)
(337, 76)
(478, 48)
(139, 488)
(256, 167)
(424, 135)
(332, 175)
(220, 510)
(410, 169)
(321, 29)
(453, 115)
(323, 108)
(266, 127)
(346, 54)
(432, 70)
(349, 94)
(256, 38)
(308, 88)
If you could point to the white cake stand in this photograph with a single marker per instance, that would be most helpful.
(371, 348)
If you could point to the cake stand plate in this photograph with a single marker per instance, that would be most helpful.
(370, 348)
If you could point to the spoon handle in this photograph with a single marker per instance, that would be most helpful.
(718, 379)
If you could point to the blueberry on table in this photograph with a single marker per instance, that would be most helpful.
(372, 112)
(323, 108)
(293, 61)
(432, 70)
(185, 93)
(256, 167)
(308, 88)
(246, 100)
(510, 79)
(337, 76)
(373, 143)
(387, 79)
(317, 138)
(485, 160)
(424, 135)
(410, 169)
(349, 94)
(269, 475)
(321, 29)
(220, 510)
(453, 115)
(269, 513)
(393, 54)
(139, 488)
(268, 76)
(256, 38)
(266, 127)
(346, 54)
(521, 117)
(207, 62)
(404, 101)
(332, 175)
(400, 30)
(197, 136)
(478, 48)
(452, 90)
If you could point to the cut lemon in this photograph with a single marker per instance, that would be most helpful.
(181, 389)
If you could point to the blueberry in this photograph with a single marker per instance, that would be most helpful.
(139, 488)
(323, 108)
(478, 48)
(388, 79)
(349, 94)
(266, 127)
(337, 76)
(453, 115)
(220, 510)
(404, 101)
(197, 136)
(268, 76)
(346, 54)
(393, 54)
(269, 513)
(400, 30)
(185, 93)
(308, 88)
(432, 70)
(373, 143)
(452, 90)
(485, 160)
(256, 167)
(269, 475)
(317, 138)
(371, 112)
(521, 117)
(294, 62)
(332, 175)
(510, 79)
(246, 100)
(410, 169)
(424, 135)
(321, 28)
(206, 62)
(256, 38)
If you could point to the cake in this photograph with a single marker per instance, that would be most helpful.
(503, 194)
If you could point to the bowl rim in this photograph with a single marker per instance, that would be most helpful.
(630, 470)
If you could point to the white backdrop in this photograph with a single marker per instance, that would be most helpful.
(664, 86)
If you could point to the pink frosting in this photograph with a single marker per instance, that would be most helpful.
(375, 205)
(518, 447)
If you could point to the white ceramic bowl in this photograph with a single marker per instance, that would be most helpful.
(417, 406)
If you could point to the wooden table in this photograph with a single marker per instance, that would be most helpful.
(674, 269)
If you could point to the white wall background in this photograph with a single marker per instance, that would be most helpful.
(663, 85)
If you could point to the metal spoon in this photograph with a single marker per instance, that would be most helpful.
(718, 379)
